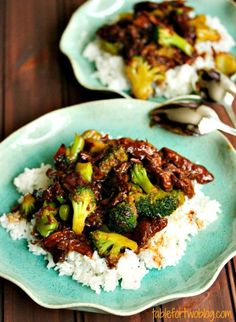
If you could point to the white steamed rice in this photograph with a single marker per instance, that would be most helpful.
(180, 80)
(166, 248)
(110, 68)
(32, 179)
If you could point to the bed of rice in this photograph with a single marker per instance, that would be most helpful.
(165, 249)
(180, 80)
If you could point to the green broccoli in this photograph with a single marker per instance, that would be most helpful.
(83, 203)
(114, 156)
(76, 147)
(156, 202)
(46, 222)
(167, 202)
(135, 189)
(91, 134)
(111, 245)
(123, 217)
(144, 206)
(85, 170)
(139, 177)
(27, 206)
(93, 141)
(167, 37)
(160, 203)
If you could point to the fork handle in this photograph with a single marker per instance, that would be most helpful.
(225, 128)
(231, 114)
(227, 103)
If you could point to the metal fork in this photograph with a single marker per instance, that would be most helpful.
(223, 92)
(227, 102)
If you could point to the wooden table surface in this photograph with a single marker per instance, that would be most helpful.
(36, 78)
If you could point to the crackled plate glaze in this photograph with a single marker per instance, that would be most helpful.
(95, 13)
(206, 253)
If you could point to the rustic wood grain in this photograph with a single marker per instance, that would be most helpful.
(1, 300)
(146, 316)
(2, 56)
(20, 308)
(216, 298)
(32, 88)
(231, 278)
(2, 48)
(234, 267)
(32, 70)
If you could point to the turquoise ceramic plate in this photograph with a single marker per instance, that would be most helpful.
(95, 13)
(206, 254)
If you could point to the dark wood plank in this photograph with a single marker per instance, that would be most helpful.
(1, 300)
(233, 261)
(230, 271)
(146, 316)
(32, 72)
(32, 88)
(216, 298)
(2, 39)
(2, 52)
(233, 282)
(20, 308)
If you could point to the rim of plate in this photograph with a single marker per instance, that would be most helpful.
(74, 64)
(103, 308)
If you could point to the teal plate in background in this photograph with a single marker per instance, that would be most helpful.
(95, 13)
(206, 253)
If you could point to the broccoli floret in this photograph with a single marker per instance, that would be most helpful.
(156, 202)
(142, 76)
(167, 37)
(85, 170)
(93, 141)
(111, 245)
(123, 217)
(27, 206)
(135, 189)
(76, 147)
(165, 205)
(83, 203)
(160, 203)
(120, 154)
(139, 176)
(46, 222)
(144, 206)
(114, 156)
(91, 134)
